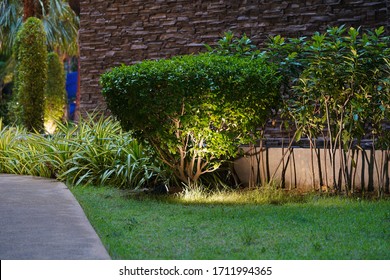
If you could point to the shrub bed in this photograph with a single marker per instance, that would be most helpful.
(93, 152)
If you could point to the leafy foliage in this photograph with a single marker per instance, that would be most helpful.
(31, 55)
(102, 154)
(90, 153)
(338, 89)
(61, 29)
(59, 21)
(55, 94)
(194, 110)
(231, 45)
(11, 19)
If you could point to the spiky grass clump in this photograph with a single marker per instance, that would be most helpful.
(93, 152)
(103, 154)
(22, 152)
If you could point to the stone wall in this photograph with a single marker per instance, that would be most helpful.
(123, 31)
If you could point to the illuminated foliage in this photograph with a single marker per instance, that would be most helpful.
(195, 110)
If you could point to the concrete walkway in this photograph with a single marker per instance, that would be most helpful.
(41, 220)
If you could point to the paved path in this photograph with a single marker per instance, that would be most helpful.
(40, 219)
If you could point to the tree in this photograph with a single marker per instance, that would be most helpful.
(60, 25)
(31, 57)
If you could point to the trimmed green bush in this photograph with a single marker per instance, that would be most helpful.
(31, 56)
(55, 94)
(194, 110)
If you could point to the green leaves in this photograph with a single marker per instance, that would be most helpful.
(55, 93)
(337, 87)
(342, 72)
(31, 55)
(59, 21)
(94, 152)
(194, 110)
(230, 45)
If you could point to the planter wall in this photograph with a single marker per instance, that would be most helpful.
(295, 171)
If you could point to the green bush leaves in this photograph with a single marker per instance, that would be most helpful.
(338, 89)
(194, 110)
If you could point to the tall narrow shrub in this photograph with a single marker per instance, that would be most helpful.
(31, 73)
(55, 94)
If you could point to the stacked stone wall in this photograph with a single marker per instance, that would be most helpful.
(123, 31)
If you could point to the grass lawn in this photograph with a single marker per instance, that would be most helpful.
(320, 228)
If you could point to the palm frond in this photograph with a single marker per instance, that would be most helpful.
(60, 22)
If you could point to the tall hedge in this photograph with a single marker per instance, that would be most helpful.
(31, 56)
(55, 94)
(194, 110)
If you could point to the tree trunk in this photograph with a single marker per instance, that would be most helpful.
(28, 9)
(75, 6)
(34, 8)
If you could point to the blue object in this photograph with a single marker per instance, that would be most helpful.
(72, 109)
(71, 85)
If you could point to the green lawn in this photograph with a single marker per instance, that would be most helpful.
(320, 228)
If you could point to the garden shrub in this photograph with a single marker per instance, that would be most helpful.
(194, 110)
(55, 94)
(101, 153)
(93, 152)
(31, 56)
(338, 89)
(232, 46)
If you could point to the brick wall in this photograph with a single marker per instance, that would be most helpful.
(119, 31)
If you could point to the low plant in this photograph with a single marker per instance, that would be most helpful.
(97, 152)
(266, 194)
(104, 154)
